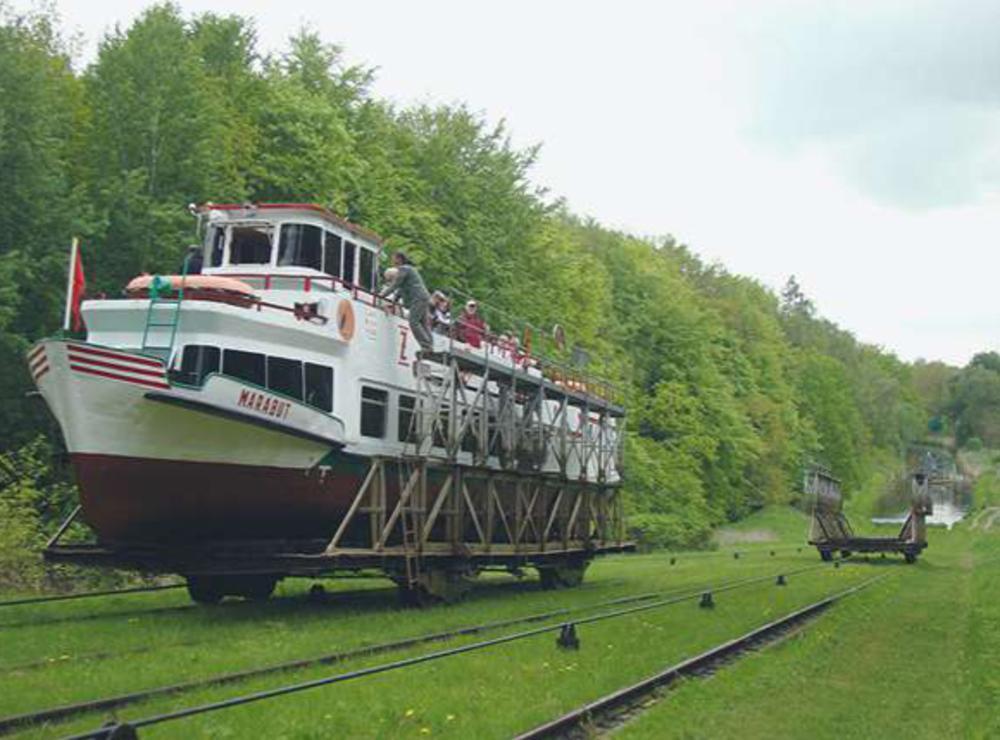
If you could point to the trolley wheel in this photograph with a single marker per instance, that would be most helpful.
(911, 557)
(562, 576)
(255, 588)
(204, 589)
(435, 586)
(826, 555)
(212, 589)
(845, 553)
(416, 596)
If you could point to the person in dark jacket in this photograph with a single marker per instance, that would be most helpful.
(192, 261)
(404, 282)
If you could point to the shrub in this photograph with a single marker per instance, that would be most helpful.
(659, 531)
(21, 539)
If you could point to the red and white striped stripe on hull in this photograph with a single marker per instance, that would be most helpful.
(38, 363)
(145, 372)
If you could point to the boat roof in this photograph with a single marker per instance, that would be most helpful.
(250, 208)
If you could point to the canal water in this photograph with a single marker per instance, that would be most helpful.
(949, 507)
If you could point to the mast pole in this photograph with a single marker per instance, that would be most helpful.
(69, 283)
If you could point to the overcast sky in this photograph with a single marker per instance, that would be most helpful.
(854, 145)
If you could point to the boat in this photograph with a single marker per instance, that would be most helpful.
(272, 416)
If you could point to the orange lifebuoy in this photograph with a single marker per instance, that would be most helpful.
(345, 320)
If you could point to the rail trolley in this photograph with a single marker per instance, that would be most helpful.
(830, 530)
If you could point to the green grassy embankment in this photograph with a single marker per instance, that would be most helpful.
(771, 526)
(909, 656)
(917, 656)
(88, 649)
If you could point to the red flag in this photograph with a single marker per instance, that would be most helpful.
(75, 289)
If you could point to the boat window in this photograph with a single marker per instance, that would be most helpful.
(332, 247)
(366, 279)
(319, 386)
(348, 273)
(218, 246)
(374, 408)
(248, 366)
(197, 362)
(285, 376)
(300, 244)
(404, 420)
(250, 245)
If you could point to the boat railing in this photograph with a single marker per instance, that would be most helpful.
(566, 374)
(501, 344)
(269, 281)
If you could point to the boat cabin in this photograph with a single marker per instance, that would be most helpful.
(272, 239)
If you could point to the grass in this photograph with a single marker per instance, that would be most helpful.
(527, 681)
(916, 656)
(765, 528)
(87, 649)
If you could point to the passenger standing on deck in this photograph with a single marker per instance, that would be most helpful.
(405, 282)
(471, 327)
(192, 261)
(440, 313)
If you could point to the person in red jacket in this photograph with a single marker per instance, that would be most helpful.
(471, 327)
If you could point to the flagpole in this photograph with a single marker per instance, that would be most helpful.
(69, 283)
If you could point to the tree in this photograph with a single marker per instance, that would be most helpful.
(975, 404)
(794, 301)
(153, 143)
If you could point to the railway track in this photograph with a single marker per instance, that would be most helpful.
(35, 600)
(637, 603)
(610, 710)
(10, 723)
(339, 596)
(88, 594)
(736, 554)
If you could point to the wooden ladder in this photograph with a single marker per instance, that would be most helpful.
(410, 523)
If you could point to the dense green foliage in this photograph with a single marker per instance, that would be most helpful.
(731, 389)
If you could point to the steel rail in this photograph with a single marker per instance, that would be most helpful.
(129, 590)
(89, 594)
(32, 665)
(68, 710)
(734, 553)
(628, 696)
(127, 729)
(65, 711)
(160, 610)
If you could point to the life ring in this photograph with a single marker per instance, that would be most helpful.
(345, 320)
(190, 282)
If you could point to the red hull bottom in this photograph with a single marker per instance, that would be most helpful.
(145, 500)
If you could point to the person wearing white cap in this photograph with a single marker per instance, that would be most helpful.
(440, 313)
(471, 327)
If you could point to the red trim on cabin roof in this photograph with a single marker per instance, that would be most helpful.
(322, 210)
